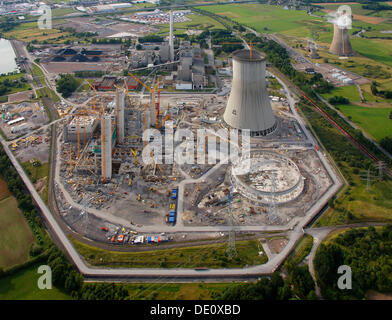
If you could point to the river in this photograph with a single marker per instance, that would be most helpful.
(7, 54)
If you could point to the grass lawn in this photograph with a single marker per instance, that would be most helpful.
(23, 286)
(176, 291)
(375, 205)
(349, 92)
(210, 256)
(374, 121)
(37, 172)
(376, 49)
(302, 249)
(15, 234)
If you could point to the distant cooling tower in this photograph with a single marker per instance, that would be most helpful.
(248, 106)
(341, 45)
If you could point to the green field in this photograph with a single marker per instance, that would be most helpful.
(260, 16)
(176, 291)
(23, 286)
(210, 256)
(349, 92)
(15, 234)
(24, 85)
(372, 205)
(376, 49)
(374, 121)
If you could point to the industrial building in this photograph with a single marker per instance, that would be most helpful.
(248, 106)
(340, 44)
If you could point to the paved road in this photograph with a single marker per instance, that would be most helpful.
(294, 236)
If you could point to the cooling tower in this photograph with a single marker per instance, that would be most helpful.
(341, 45)
(248, 106)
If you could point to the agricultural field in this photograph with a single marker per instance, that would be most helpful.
(23, 286)
(28, 32)
(210, 256)
(263, 18)
(15, 234)
(197, 22)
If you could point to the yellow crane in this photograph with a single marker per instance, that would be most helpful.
(135, 155)
(92, 87)
(152, 90)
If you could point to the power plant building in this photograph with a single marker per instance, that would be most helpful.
(248, 106)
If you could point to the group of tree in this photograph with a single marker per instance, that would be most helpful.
(298, 285)
(150, 38)
(338, 100)
(274, 288)
(66, 85)
(6, 85)
(387, 94)
(376, 6)
(386, 142)
(367, 251)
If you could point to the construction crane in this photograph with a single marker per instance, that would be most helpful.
(92, 87)
(163, 122)
(152, 90)
(135, 155)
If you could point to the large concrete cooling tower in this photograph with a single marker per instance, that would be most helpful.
(341, 45)
(248, 106)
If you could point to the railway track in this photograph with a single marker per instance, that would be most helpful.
(299, 92)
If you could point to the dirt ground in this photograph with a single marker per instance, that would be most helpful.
(20, 96)
(374, 295)
(276, 245)
(4, 192)
(65, 67)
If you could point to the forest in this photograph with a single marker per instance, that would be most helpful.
(369, 254)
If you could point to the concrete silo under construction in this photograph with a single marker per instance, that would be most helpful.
(248, 106)
(341, 45)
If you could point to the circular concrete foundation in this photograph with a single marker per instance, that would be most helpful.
(267, 177)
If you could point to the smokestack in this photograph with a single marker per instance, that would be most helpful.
(341, 45)
(248, 106)
(120, 104)
(171, 45)
(106, 147)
